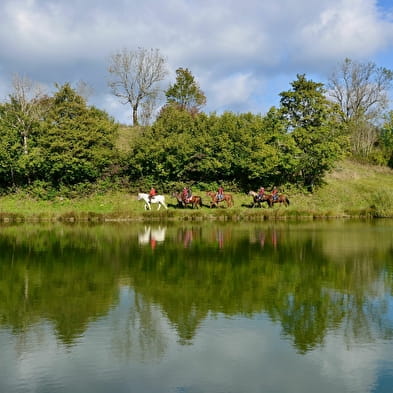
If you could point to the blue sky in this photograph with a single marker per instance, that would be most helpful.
(243, 54)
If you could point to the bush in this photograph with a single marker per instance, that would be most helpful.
(41, 190)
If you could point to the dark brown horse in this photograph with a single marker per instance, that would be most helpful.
(257, 199)
(215, 201)
(195, 201)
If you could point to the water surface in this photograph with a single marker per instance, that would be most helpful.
(270, 307)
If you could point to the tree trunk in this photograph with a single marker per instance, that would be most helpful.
(135, 115)
(25, 143)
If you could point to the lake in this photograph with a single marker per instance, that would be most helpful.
(197, 307)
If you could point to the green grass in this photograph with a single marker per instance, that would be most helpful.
(351, 190)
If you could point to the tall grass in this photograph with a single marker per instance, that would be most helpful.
(352, 190)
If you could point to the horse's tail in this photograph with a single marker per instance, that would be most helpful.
(287, 201)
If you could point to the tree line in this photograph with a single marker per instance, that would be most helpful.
(56, 142)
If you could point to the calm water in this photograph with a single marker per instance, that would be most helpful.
(231, 308)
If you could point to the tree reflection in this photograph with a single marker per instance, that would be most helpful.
(304, 277)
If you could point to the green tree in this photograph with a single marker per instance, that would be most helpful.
(312, 121)
(76, 142)
(10, 149)
(238, 149)
(185, 92)
(385, 141)
(288, 153)
(161, 152)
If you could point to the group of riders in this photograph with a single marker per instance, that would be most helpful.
(186, 194)
(261, 194)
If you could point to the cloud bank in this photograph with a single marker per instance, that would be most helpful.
(243, 54)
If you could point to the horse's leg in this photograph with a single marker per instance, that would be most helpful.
(164, 204)
(159, 206)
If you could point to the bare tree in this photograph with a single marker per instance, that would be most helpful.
(26, 106)
(363, 136)
(135, 77)
(360, 89)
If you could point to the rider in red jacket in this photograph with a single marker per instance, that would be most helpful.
(152, 193)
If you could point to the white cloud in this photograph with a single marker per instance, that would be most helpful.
(233, 91)
(350, 28)
(223, 42)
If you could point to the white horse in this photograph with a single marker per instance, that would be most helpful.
(152, 235)
(160, 199)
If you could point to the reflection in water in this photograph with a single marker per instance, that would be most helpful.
(152, 236)
(307, 284)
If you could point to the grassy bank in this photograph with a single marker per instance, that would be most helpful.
(351, 190)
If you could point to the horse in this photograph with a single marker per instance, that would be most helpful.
(215, 201)
(195, 201)
(178, 197)
(258, 199)
(281, 199)
(159, 199)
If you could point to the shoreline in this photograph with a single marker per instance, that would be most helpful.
(221, 215)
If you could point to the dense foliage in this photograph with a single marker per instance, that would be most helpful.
(296, 143)
(71, 143)
(60, 141)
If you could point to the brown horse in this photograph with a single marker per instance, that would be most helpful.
(281, 199)
(257, 200)
(195, 201)
(215, 201)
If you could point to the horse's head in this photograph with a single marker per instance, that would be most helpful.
(141, 196)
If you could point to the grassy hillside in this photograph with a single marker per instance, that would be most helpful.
(351, 190)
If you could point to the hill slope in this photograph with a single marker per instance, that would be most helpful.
(352, 188)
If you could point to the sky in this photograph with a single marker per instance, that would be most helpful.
(242, 53)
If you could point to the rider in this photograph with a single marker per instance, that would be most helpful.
(220, 193)
(185, 194)
(152, 193)
(275, 193)
(261, 193)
